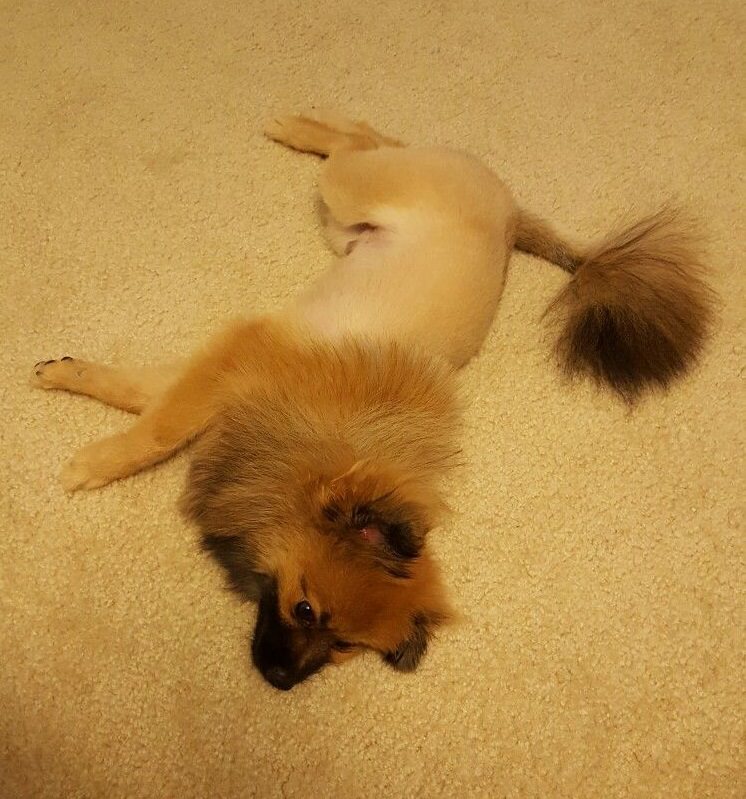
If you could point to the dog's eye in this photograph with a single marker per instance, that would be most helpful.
(303, 612)
(342, 646)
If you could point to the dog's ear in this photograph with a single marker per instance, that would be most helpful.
(399, 528)
(391, 513)
(409, 653)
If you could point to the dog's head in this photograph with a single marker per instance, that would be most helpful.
(299, 629)
(315, 489)
(350, 573)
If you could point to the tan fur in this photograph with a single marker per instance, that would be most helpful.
(325, 133)
(128, 388)
(537, 237)
(326, 427)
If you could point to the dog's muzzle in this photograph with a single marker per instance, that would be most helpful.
(277, 648)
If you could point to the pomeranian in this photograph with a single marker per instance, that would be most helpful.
(325, 429)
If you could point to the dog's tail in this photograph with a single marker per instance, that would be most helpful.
(638, 308)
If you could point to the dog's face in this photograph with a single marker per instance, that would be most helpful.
(299, 629)
(327, 602)
(355, 576)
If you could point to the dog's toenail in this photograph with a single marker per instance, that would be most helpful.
(46, 363)
(66, 358)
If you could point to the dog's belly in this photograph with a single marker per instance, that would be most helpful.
(436, 291)
(355, 296)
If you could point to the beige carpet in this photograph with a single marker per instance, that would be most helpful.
(597, 554)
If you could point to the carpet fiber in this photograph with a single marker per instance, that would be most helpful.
(596, 554)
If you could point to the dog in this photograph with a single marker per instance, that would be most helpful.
(323, 431)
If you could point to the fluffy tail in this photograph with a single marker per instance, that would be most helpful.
(638, 309)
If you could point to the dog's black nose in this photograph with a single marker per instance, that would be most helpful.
(279, 677)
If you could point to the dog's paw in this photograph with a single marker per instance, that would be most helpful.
(283, 129)
(89, 468)
(309, 133)
(54, 374)
(79, 474)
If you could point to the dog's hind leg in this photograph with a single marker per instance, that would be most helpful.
(332, 135)
(357, 186)
(326, 133)
(129, 388)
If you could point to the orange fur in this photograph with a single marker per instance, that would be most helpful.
(290, 463)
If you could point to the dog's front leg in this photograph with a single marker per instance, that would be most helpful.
(182, 413)
(179, 415)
